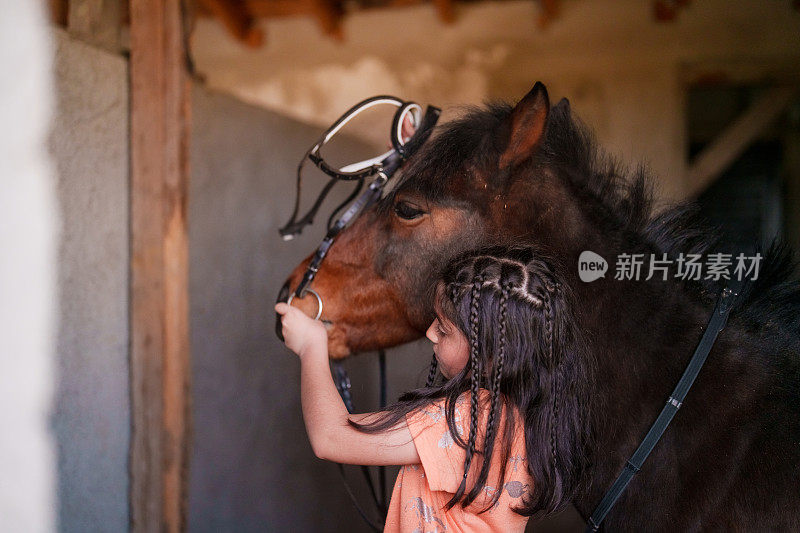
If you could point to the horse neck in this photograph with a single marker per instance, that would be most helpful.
(639, 335)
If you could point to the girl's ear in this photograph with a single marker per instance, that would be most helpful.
(528, 122)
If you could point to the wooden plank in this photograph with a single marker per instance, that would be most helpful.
(58, 12)
(329, 15)
(550, 10)
(445, 10)
(732, 142)
(160, 120)
(278, 8)
(237, 20)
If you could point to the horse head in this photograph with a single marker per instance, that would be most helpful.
(483, 179)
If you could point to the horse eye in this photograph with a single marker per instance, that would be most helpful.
(406, 211)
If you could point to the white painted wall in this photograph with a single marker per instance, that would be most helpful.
(28, 231)
(624, 73)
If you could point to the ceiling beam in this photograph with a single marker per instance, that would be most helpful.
(329, 15)
(237, 19)
(549, 11)
(445, 10)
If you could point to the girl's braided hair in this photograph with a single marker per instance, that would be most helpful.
(510, 305)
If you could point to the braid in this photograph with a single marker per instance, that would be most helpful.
(548, 320)
(498, 364)
(432, 372)
(491, 424)
(475, 380)
(508, 289)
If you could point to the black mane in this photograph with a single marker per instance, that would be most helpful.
(627, 197)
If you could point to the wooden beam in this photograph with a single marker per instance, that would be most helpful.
(550, 10)
(732, 142)
(237, 20)
(277, 8)
(160, 118)
(445, 10)
(329, 15)
(59, 10)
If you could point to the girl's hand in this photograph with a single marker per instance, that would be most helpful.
(302, 333)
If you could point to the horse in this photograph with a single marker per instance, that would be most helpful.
(533, 175)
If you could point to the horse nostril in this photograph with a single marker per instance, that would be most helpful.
(283, 295)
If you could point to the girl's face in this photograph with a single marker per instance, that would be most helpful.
(449, 345)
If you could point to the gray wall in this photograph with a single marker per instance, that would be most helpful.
(91, 419)
(252, 467)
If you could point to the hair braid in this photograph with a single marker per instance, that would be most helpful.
(495, 403)
(548, 320)
(499, 362)
(432, 372)
(475, 381)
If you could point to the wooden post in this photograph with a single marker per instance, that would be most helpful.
(160, 104)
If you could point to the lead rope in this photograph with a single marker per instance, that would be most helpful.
(716, 324)
(342, 382)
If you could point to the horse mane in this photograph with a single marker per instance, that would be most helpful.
(626, 197)
(773, 298)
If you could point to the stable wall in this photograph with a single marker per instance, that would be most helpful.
(91, 407)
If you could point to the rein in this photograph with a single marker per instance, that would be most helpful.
(719, 317)
(342, 382)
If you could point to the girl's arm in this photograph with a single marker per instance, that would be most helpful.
(324, 413)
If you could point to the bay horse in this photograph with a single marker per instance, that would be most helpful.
(532, 175)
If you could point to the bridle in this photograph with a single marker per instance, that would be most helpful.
(381, 169)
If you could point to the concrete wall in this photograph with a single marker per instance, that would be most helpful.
(252, 468)
(91, 419)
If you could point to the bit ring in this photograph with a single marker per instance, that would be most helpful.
(319, 301)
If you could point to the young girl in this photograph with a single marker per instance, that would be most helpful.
(489, 444)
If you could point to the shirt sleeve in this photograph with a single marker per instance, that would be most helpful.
(441, 457)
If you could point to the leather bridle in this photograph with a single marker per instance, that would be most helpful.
(382, 169)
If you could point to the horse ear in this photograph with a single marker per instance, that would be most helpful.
(563, 106)
(528, 122)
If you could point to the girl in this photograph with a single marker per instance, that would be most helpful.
(501, 416)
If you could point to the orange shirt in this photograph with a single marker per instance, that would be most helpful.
(421, 491)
